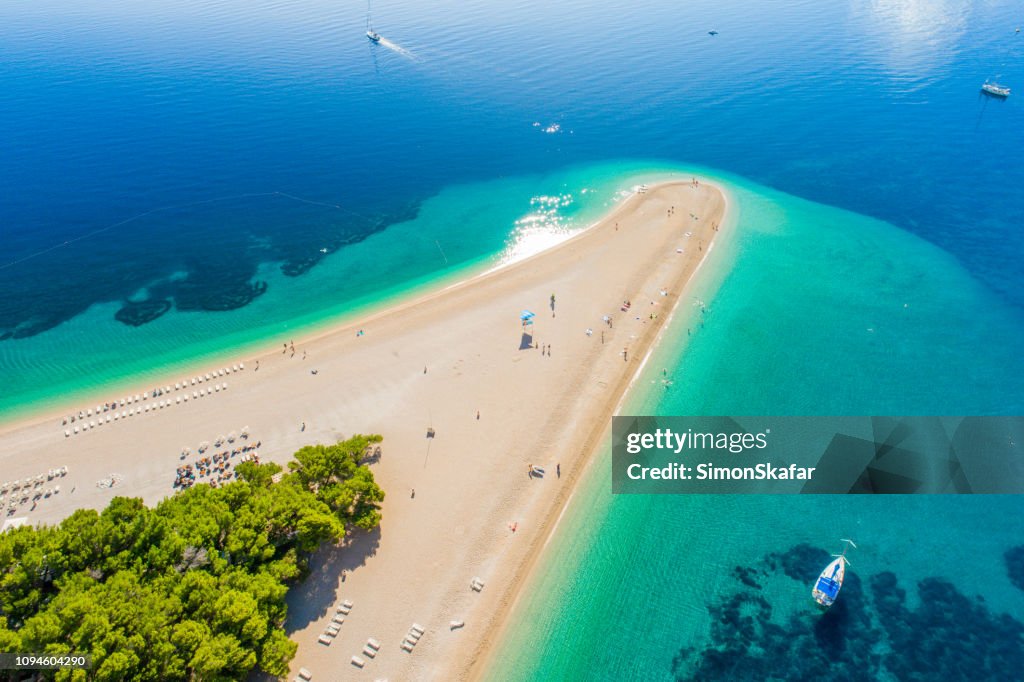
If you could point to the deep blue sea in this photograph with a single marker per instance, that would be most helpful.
(183, 179)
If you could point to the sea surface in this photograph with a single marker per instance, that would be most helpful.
(187, 180)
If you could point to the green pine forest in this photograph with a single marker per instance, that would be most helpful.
(193, 589)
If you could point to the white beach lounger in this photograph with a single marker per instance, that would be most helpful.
(332, 630)
(305, 674)
(241, 365)
(178, 400)
(216, 387)
(325, 640)
(347, 603)
(108, 418)
(67, 434)
(195, 394)
(367, 651)
(234, 368)
(358, 662)
(417, 628)
(92, 425)
(408, 647)
(76, 429)
(413, 636)
(338, 618)
(344, 609)
(373, 643)
(456, 624)
(224, 385)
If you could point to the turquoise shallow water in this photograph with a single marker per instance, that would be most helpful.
(822, 312)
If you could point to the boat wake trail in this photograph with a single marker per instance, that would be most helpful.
(394, 47)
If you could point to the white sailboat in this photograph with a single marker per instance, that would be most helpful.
(995, 89)
(826, 588)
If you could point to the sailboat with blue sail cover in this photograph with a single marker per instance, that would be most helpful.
(826, 588)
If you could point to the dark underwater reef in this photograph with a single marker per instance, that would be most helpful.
(180, 261)
(870, 633)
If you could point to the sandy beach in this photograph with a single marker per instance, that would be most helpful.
(466, 397)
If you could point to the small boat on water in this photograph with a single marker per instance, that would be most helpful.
(373, 35)
(995, 89)
(826, 588)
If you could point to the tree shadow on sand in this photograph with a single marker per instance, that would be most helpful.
(311, 599)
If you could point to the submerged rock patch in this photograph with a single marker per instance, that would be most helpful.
(868, 634)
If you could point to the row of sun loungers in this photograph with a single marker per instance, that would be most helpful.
(412, 637)
(149, 407)
(334, 627)
(33, 481)
(371, 650)
(19, 498)
(103, 413)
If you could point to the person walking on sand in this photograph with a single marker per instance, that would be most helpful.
(412, 496)
(478, 415)
(558, 470)
(303, 426)
(424, 369)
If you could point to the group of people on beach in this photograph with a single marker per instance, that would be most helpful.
(218, 466)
